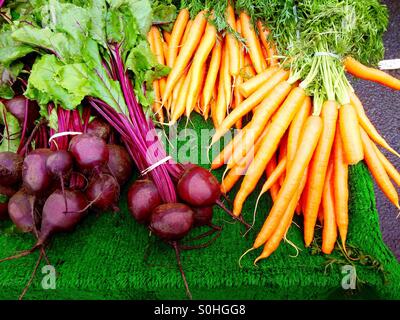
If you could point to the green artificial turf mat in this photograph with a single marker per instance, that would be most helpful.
(104, 258)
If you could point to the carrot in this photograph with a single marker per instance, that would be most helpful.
(329, 231)
(291, 188)
(247, 105)
(238, 171)
(159, 53)
(359, 70)
(269, 48)
(283, 225)
(176, 36)
(232, 43)
(390, 169)
(220, 107)
(238, 98)
(252, 43)
(262, 115)
(271, 167)
(212, 73)
(185, 35)
(282, 153)
(167, 37)
(350, 133)
(341, 189)
(273, 177)
(185, 54)
(179, 108)
(176, 91)
(253, 84)
(226, 77)
(199, 60)
(247, 71)
(268, 147)
(378, 170)
(318, 168)
(296, 128)
(368, 126)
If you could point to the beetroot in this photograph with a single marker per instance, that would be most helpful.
(17, 107)
(56, 217)
(21, 210)
(90, 152)
(59, 163)
(103, 192)
(5, 194)
(143, 197)
(10, 168)
(198, 187)
(202, 216)
(171, 221)
(35, 176)
(119, 163)
(99, 128)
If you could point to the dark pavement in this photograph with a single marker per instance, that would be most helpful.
(382, 106)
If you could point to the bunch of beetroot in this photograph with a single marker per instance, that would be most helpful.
(49, 189)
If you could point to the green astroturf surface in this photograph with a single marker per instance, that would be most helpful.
(110, 256)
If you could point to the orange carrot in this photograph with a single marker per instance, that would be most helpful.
(238, 171)
(179, 108)
(359, 70)
(167, 37)
(273, 177)
(282, 154)
(176, 36)
(378, 171)
(185, 54)
(252, 43)
(279, 125)
(329, 231)
(253, 84)
(318, 168)
(283, 225)
(294, 178)
(341, 189)
(185, 35)
(226, 77)
(247, 105)
(232, 43)
(199, 60)
(247, 71)
(296, 128)
(350, 133)
(271, 167)
(390, 169)
(269, 48)
(220, 107)
(262, 115)
(212, 73)
(368, 126)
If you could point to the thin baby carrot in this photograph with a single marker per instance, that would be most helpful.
(329, 231)
(359, 70)
(390, 169)
(254, 83)
(378, 170)
(341, 189)
(176, 36)
(232, 43)
(350, 133)
(318, 168)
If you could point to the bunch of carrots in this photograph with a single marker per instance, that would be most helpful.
(207, 67)
(304, 150)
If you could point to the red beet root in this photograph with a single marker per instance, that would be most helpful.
(202, 216)
(198, 187)
(35, 176)
(143, 197)
(99, 128)
(171, 221)
(10, 168)
(119, 163)
(90, 152)
(57, 218)
(21, 211)
(59, 163)
(103, 192)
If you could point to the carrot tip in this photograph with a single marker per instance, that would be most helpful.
(241, 257)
